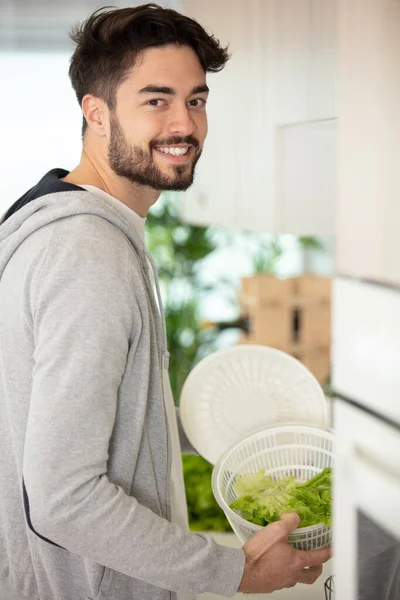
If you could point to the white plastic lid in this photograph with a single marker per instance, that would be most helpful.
(234, 392)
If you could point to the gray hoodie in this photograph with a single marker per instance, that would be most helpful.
(85, 453)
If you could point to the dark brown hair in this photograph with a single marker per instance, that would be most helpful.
(108, 42)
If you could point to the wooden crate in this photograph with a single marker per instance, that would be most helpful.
(293, 315)
(318, 363)
(262, 290)
(313, 287)
(316, 326)
(271, 326)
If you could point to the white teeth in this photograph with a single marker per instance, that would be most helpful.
(172, 150)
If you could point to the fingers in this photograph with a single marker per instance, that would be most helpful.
(261, 542)
(313, 557)
(310, 575)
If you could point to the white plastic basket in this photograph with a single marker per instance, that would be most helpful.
(282, 452)
(234, 392)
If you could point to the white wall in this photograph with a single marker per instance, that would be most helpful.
(40, 121)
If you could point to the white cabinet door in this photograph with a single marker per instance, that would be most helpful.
(306, 177)
(367, 478)
(212, 198)
(368, 218)
(366, 348)
(254, 127)
(233, 182)
(305, 48)
(305, 44)
(322, 75)
(291, 42)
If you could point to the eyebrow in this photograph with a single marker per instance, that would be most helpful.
(162, 89)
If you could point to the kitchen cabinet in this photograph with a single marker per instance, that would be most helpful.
(253, 125)
(256, 174)
(305, 48)
(229, 183)
(292, 24)
(368, 212)
(213, 197)
(366, 500)
(366, 349)
(322, 75)
(306, 177)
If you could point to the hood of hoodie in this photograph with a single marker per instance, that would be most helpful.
(52, 199)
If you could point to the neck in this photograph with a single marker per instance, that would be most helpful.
(94, 170)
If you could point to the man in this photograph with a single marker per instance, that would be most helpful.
(92, 498)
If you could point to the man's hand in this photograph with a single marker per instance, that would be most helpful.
(271, 564)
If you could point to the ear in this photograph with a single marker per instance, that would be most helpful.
(96, 114)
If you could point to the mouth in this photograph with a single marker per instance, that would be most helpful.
(175, 154)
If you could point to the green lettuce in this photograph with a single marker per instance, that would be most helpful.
(261, 499)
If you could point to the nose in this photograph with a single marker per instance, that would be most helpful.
(181, 121)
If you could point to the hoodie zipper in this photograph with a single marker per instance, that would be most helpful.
(163, 362)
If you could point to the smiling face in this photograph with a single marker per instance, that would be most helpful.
(159, 124)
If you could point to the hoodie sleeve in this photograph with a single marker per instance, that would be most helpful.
(82, 320)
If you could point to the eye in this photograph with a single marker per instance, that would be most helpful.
(154, 102)
(198, 102)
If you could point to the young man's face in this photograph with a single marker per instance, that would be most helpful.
(159, 125)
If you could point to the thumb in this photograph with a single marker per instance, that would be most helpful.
(275, 532)
(290, 521)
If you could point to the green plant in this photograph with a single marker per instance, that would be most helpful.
(204, 512)
(309, 242)
(177, 250)
(266, 258)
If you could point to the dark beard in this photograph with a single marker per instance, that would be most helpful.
(139, 167)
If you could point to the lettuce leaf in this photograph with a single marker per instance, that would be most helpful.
(261, 500)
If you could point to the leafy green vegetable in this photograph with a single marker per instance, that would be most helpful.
(203, 509)
(262, 500)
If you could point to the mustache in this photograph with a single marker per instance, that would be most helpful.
(171, 141)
